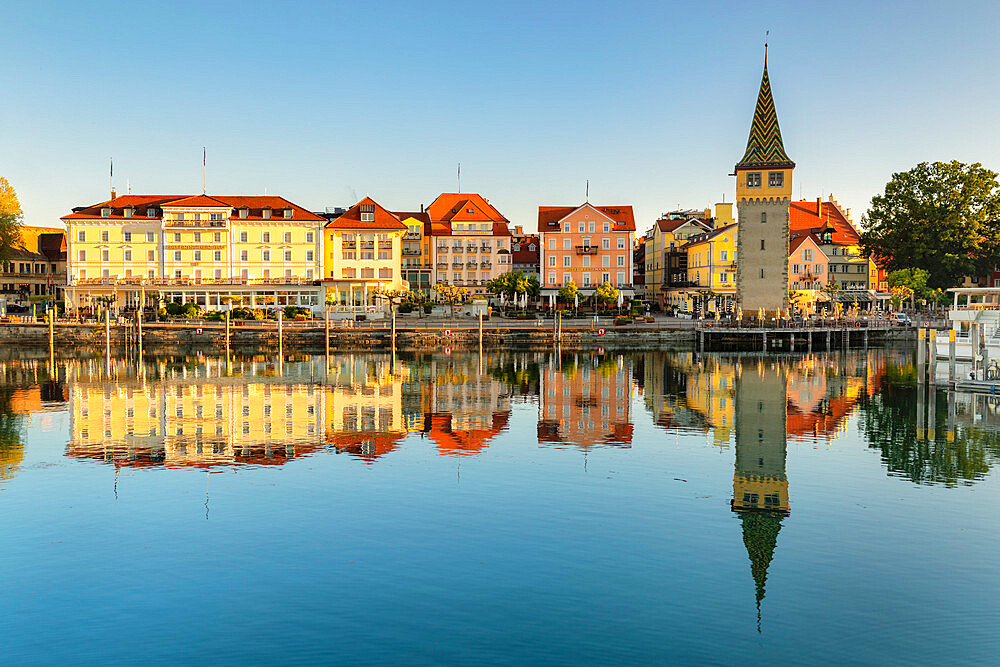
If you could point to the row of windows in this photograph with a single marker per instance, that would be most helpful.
(366, 274)
(775, 179)
(605, 243)
(724, 256)
(818, 269)
(129, 237)
(586, 278)
(196, 256)
(585, 260)
(197, 274)
(589, 226)
(26, 267)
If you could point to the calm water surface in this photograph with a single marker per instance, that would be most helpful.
(519, 507)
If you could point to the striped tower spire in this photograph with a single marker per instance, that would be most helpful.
(764, 146)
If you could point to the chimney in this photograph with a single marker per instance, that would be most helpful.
(113, 193)
(421, 208)
(819, 207)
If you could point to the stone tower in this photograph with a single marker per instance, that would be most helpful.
(763, 193)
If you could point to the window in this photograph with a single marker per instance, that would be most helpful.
(586, 261)
(266, 256)
(177, 255)
(266, 238)
(762, 275)
(104, 237)
(128, 255)
(606, 260)
(245, 274)
(621, 244)
(309, 237)
(150, 212)
(83, 255)
(607, 227)
(266, 213)
(197, 237)
(775, 179)
(128, 237)
(621, 260)
(197, 255)
(723, 277)
(552, 260)
(606, 243)
(552, 244)
(762, 244)
(586, 278)
(566, 260)
(552, 278)
(288, 237)
(244, 211)
(582, 227)
(368, 217)
(218, 274)
(724, 256)
(819, 269)
(105, 255)
(243, 237)
(807, 255)
(217, 256)
(105, 212)
(310, 255)
(385, 274)
(177, 237)
(150, 237)
(288, 214)
(243, 255)
(288, 255)
(753, 179)
(81, 236)
(567, 278)
(566, 244)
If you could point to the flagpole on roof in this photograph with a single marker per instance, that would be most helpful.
(204, 174)
(111, 178)
(460, 177)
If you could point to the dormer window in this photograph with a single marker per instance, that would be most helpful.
(127, 212)
(469, 210)
(244, 212)
(105, 211)
(266, 213)
(288, 214)
(150, 212)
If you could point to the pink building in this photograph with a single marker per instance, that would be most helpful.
(588, 245)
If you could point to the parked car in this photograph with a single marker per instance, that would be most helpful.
(902, 319)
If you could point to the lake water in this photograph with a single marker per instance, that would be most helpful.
(519, 507)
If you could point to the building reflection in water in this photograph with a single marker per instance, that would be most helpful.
(585, 400)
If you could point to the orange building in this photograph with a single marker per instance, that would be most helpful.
(587, 245)
(469, 241)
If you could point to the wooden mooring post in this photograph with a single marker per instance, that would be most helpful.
(281, 314)
(951, 358)
(932, 357)
(921, 355)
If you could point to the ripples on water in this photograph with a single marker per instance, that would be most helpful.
(516, 507)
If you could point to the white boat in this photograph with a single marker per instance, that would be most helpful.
(975, 319)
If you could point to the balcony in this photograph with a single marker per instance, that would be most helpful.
(586, 249)
(369, 245)
(410, 251)
(385, 245)
(486, 248)
(349, 245)
(486, 265)
(411, 236)
(457, 265)
(470, 248)
(442, 248)
(471, 265)
(456, 248)
(295, 280)
(442, 265)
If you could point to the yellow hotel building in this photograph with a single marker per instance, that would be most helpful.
(147, 249)
(363, 253)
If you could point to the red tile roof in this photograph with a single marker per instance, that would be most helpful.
(254, 204)
(198, 200)
(416, 215)
(449, 441)
(798, 238)
(366, 447)
(450, 204)
(803, 217)
(351, 219)
(549, 217)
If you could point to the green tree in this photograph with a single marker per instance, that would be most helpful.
(534, 286)
(605, 294)
(512, 285)
(943, 217)
(913, 280)
(568, 292)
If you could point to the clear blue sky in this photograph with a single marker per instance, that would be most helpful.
(325, 102)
